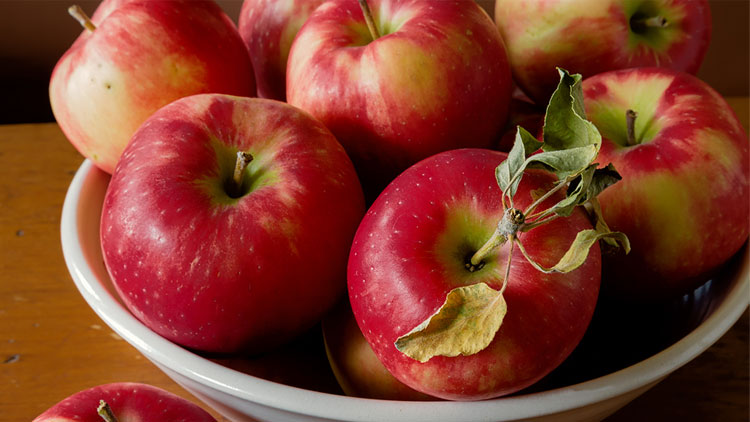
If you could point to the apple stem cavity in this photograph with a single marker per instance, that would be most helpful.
(630, 116)
(106, 412)
(369, 19)
(82, 18)
(243, 159)
(640, 24)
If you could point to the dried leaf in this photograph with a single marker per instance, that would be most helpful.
(465, 324)
(510, 171)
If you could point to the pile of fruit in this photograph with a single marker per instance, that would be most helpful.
(474, 183)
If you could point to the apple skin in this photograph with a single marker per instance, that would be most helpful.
(129, 401)
(410, 251)
(222, 274)
(354, 364)
(437, 79)
(268, 28)
(594, 36)
(142, 56)
(683, 199)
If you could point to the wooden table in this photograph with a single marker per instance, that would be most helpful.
(52, 344)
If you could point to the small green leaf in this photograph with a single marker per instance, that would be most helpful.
(465, 324)
(510, 171)
(566, 162)
(577, 192)
(565, 124)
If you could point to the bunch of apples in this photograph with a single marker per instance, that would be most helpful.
(231, 224)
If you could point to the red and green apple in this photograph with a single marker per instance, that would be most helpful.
(416, 244)
(125, 402)
(683, 200)
(413, 79)
(227, 223)
(268, 28)
(593, 36)
(135, 57)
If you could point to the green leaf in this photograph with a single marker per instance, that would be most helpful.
(594, 210)
(578, 252)
(465, 324)
(565, 124)
(577, 192)
(564, 163)
(510, 171)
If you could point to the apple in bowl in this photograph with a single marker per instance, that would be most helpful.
(398, 81)
(594, 36)
(268, 28)
(227, 222)
(135, 57)
(683, 200)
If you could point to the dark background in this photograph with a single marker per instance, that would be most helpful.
(35, 33)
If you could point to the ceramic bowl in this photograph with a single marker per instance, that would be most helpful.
(616, 361)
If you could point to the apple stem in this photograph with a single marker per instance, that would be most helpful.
(512, 221)
(79, 15)
(630, 116)
(243, 159)
(106, 412)
(369, 19)
(651, 22)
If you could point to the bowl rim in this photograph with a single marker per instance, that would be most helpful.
(339, 407)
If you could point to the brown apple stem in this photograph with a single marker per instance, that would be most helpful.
(81, 17)
(106, 412)
(630, 116)
(369, 19)
(650, 22)
(243, 159)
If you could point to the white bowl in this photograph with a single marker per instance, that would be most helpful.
(713, 309)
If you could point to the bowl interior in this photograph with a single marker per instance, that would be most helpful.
(624, 351)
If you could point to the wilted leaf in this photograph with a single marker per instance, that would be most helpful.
(465, 324)
(564, 162)
(595, 213)
(510, 171)
(565, 124)
(579, 250)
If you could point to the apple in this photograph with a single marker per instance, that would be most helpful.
(135, 57)
(268, 28)
(593, 36)
(227, 223)
(354, 364)
(683, 200)
(414, 246)
(125, 402)
(428, 76)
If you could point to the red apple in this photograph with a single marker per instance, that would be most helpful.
(136, 57)
(435, 79)
(221, 257)
(414, 246)
(354, 364)
(593, 36)
(128, 402)
(268, 28)
(683, 200)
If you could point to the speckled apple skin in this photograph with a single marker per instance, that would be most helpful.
(410, 251)
(437, 79)
(594, 36)
(142, 56)
(223, 274)
(268, 28)
(683, 199)
(129, 401)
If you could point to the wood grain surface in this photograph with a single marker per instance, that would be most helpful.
(52, 344)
